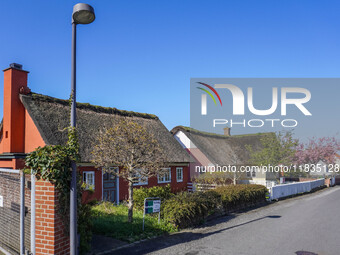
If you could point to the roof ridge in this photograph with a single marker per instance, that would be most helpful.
(88, 106)
(196, 131)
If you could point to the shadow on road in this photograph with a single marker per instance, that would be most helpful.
(182, 237)
(305, 253)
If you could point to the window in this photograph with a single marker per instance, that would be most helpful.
(88, 180)
(141, 180)
(110, 175)
(165, 177)
(251, 173)
(179, 174)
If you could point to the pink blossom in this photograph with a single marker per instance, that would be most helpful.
(317, 149)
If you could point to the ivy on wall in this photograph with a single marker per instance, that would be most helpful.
(53, 163)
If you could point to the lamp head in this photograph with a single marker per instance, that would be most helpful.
(83, 14)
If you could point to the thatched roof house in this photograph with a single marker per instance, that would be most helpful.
(209, 149)
(219, 149)
(32, 120)
(51, 117)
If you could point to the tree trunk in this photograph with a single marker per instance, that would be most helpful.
(130, 205)
(234, 179)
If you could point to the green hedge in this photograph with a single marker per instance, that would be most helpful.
(190, 209)
(163, 192)
(241, 196)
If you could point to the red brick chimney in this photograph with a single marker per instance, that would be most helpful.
(13, 135)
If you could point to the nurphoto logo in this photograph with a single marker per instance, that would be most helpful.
(280, 101)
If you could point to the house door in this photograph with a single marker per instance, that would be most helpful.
(109, 187)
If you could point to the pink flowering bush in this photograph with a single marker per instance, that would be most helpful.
(317, 149)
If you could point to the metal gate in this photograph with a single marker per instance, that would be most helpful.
(16, 211)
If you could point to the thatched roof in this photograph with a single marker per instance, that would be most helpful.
(52, 115)
(222, 149)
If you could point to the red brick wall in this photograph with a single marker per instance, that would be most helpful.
(51, 237)
(88, 196)
(175, 186)
(327, 182)
(305, 179)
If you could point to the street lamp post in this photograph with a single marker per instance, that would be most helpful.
(82, 14)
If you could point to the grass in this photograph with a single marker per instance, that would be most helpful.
(111, 220)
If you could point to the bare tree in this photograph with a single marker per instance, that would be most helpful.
(236, 174)
(131, 147)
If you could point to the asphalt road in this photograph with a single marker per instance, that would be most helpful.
(305, 225)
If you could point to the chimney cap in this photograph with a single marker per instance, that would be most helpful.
(15, 66)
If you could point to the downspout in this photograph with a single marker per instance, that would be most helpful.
(102, 184)
(117, 189)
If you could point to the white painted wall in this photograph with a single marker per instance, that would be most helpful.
(184, 140)
(268, 184)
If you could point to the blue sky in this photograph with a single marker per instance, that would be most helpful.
(140, 55)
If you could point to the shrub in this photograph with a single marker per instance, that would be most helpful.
(163, 192)
(189, 209)
(241, 196)
(85, 227)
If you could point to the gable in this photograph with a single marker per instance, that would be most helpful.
(33, 138)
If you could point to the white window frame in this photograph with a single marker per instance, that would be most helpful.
(161, 179)
(179, 169)
(85, 180)
(140, 181)
(251, 173)
(114, 169)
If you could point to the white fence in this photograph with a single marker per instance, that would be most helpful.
(204, 187)
(286, 190)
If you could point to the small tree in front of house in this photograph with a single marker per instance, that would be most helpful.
(236, 174)
(277, 149)
(134, 149)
